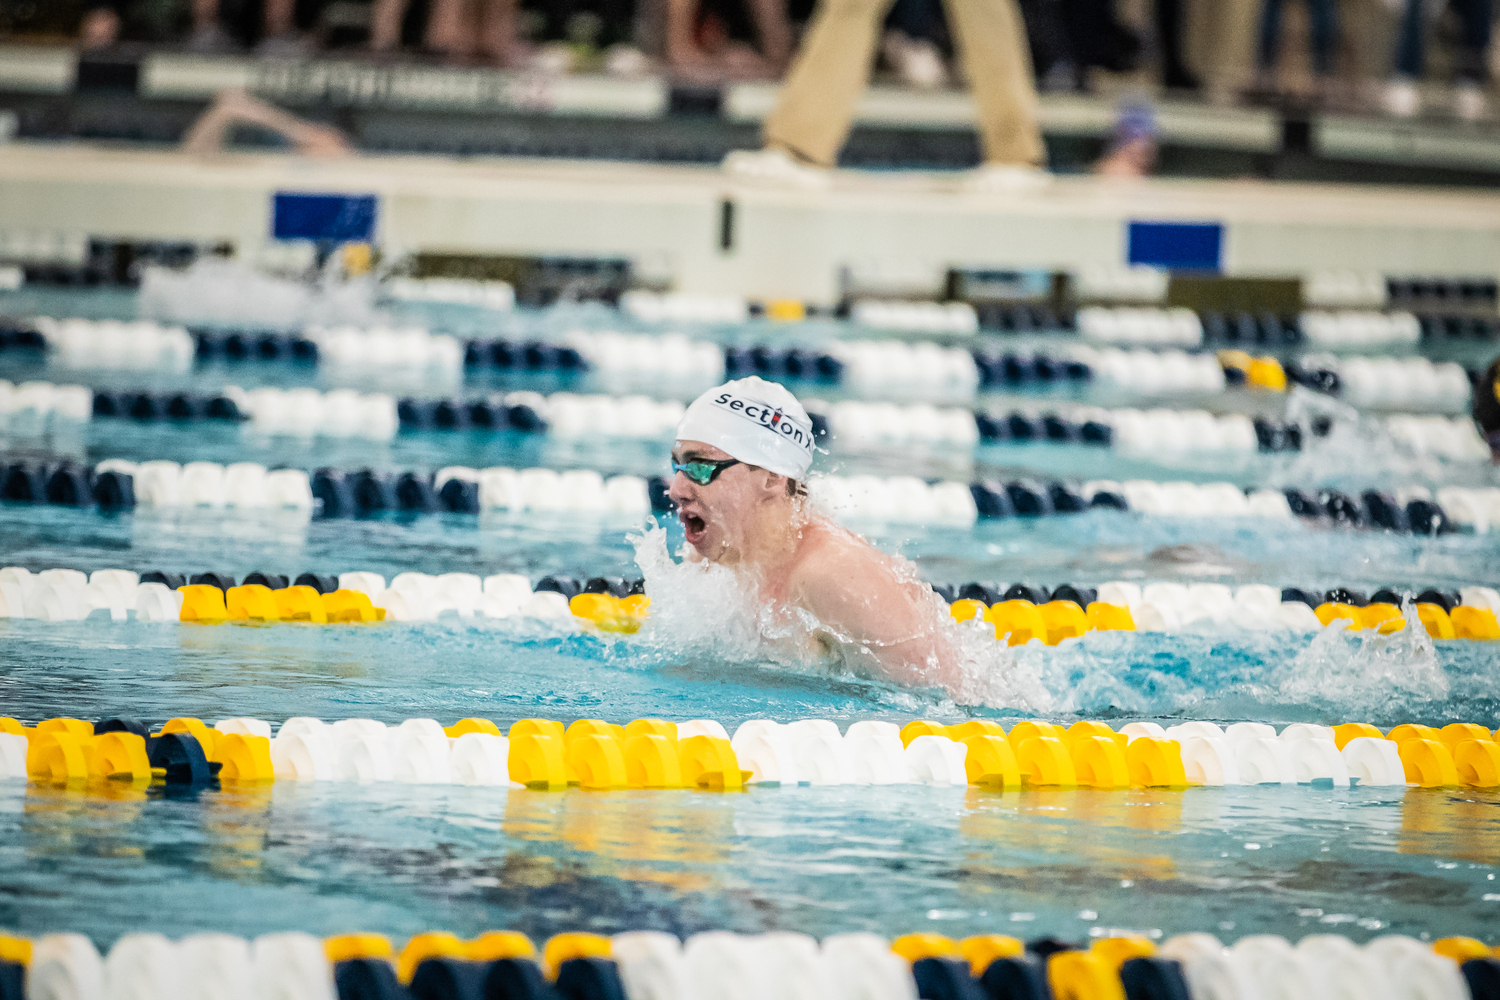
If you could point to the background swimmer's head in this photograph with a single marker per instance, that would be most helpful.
(760, 429)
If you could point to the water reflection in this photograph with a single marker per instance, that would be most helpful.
(74, 819)
(1462, 825)
(330, 857)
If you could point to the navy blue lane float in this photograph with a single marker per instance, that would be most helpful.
(244, 345)
(991, 592)
(1010, 369)
(457, 414)
(530, 355)
(492, 414)
(367, 492)
(793, 362)
(16, 336)
(174, 406)
(326, 583)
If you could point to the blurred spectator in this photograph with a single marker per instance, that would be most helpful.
(917, 62)
(101, 25)
(1321, 39)
(916, 36)
(1067, 37)
(278, 35)
(815, 108)
(1170, 18)
(707, 39)
(233, 107)
(591, 24)
(458, 30)
(1132, 150)
(1402, 98)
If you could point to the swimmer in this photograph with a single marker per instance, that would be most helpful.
(740, 465)
(1487, 408)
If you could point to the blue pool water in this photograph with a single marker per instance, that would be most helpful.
(400, 859)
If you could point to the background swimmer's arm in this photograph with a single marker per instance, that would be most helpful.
(863, 602)
(233, 106)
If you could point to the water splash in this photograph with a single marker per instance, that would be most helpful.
(697, 606)
(234, 294)
(705, 611)
(1358, 452)
(1363, 672)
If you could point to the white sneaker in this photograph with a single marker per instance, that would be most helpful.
(1005, 178)
(1469, 102)
(774, 166)
(1402, 98)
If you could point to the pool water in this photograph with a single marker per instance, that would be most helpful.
(402, 859)
(328, 858)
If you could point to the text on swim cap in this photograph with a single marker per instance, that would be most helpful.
(772, 418)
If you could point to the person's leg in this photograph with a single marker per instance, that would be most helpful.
(774, 29)
(205, 15)
(450, 28)
(1322, 35)
(1081, 20)
(681, 36)
(498, 31)
(905, 16)
(279, 18)
(1099, 37)
(1409, 54)
(992, 43)
(615, 19)
(1268, 43)
(555, 17)
(816, 105)
(1475, 19)
(385, 24)
(1174, 71)
(1053, 58)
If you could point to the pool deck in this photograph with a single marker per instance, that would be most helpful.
(706, 232)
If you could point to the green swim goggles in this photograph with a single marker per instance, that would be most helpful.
(703, 471)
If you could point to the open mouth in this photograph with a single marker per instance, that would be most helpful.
(693, 525)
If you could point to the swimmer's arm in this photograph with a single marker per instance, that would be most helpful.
(234, 105)
(884, 615)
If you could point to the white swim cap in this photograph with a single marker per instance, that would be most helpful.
(755, 421)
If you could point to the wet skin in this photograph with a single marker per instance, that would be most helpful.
(871, 609)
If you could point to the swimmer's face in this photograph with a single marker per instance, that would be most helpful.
(715, 517)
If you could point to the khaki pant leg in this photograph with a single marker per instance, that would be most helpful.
(991, 40)
(816, 104)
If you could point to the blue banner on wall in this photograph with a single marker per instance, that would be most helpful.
(340, 218)
(1178, 246)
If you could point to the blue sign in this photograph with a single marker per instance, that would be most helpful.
(340, 218)
(1178, 246)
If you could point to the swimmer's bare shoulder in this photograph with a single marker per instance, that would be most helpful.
(857, 590)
